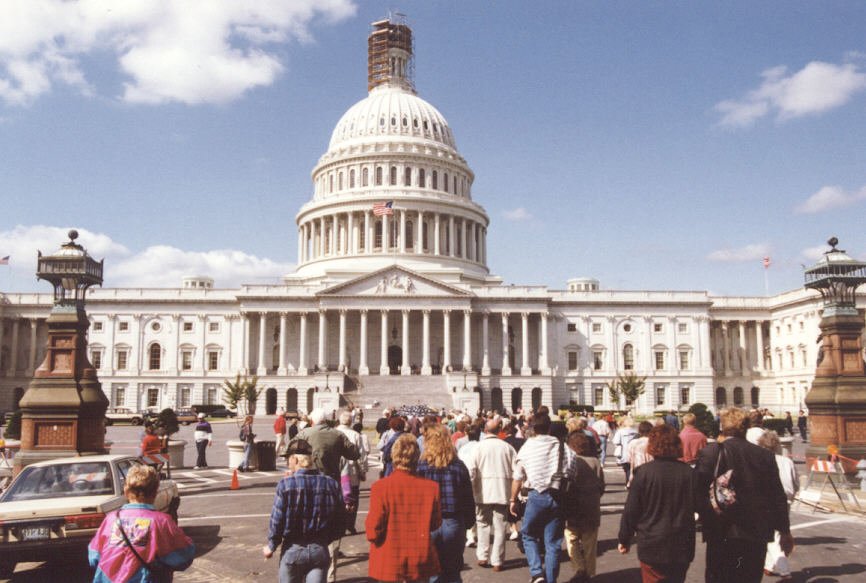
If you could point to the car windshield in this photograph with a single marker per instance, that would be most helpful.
(61, 480)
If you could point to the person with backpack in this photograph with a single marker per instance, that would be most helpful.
(623, 436)
(247, 436)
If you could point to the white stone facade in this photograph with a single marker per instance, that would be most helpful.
(410, 294)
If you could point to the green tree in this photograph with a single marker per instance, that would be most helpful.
(167, 421)
(242, 394)
(627, 385)
(705, 422)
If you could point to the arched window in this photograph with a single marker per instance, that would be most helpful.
(424, 230)
(410, 234)
(155, 357)
(738, 396)
(394, 227)
(377, 240)
(445, 182)
(352, 178)
(628, 357)
(362, 236)
(393, 176)
(422, 178)
(340, 181)
(365, 177)
(721, 397)
(291, 399)
(496, 400)
(516, 399)
(435, 185)
(536, 398)
(407, 176)
(378, 176)
(454, 182)
(756, 396)
(331, 183)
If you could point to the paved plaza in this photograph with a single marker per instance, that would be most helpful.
(229, 528)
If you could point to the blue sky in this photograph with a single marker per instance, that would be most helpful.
(650, 145)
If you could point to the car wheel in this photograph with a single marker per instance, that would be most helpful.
(185, 423)
(6, 569)
(136, 421)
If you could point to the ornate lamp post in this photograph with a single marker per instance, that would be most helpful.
(63, 410)
(837, 399)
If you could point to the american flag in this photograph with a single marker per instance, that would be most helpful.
(767, 262)
(5, 260)
(383, 208)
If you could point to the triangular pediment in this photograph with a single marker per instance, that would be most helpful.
(394, 281)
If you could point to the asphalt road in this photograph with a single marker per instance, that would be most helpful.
(229, 528)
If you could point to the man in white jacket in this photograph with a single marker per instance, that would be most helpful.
(491, 471)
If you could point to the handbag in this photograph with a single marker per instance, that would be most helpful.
(160, 572)
(722, 494)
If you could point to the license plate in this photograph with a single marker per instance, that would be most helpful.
(40, 532)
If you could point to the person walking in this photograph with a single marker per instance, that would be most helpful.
(538, 460)
(776, 562)
(137, 542)
(672, 419)
(440, 463)
(692, 438)
(602, 429)
(247, 436)
(660, 510)
(623, 436)
(637, 453)
(737, 539)
(203, 437)
(491, 470)
(280, 432)
(802, 424)
(151, 444)
(396, 428)
(307, 514)
(404, 511)
(582, 508)
(352, 472)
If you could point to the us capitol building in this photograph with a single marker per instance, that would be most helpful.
(393, 302)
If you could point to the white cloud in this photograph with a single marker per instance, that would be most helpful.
(518, 214)
(814, 89)
(830, 197)
(195, 51)
(753, 252)
(156, 266)
(814, 253)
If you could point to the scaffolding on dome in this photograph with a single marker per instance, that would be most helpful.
(383, 66)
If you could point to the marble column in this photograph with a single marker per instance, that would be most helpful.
(351, 248)
(436, 234)
(419, 245)
(386, 234)
(261, 370)
(506, 359)
(341, 363)
(383, 334)
(467, 340)
(368, 234)
(282, 350)
(525, 369)
(322, 232)
(544, 365)
(726, 350)
(426, 369)
(31, 357)
(451, 236)
(323, 333)
(759, 344)
(446, 340)
(333, 237)
(406, 369)
(463, 242)
(302, 345)
(402, 246)
(363, 368)
(247, 341)
(300, 245)
(743, 355)
(485, 343)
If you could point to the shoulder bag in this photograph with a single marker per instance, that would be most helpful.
(722, 494)
(159, 571)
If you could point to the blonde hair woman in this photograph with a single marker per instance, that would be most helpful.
(440, 464)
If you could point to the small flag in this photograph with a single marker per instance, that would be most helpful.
(383, 208)
(5, 260)
(767, 262)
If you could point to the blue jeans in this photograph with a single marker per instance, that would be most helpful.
(304, 564)
(450, 540)
(542, 532)
(248, 451)
(603, 448)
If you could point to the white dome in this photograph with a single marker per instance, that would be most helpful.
(391, 111)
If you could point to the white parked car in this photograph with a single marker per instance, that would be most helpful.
(124, 414)
(52, 509)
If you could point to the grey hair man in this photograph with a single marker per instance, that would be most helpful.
(353, 470)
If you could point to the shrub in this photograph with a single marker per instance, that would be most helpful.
(13, 425)
(704, 420)
(167, 421)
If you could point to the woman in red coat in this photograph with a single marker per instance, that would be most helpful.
(404, 510)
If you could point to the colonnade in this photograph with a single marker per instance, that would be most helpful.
(467, 361)
(415, 231)
(733, 350)
(9, 361)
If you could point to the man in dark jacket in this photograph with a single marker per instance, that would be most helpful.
(329, 445)
(737, 540)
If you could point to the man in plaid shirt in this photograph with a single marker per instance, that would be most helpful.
(308, 514)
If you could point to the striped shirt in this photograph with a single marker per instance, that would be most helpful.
(308, 506)
(537, 461)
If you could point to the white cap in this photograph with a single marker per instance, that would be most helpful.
(201, 415)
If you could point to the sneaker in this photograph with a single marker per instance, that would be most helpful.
(470, 543)
(537, 579)
(197, 468)
(514, 535)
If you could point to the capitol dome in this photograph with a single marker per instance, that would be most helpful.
(392, 186)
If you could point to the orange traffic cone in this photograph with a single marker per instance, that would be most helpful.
(235, 484)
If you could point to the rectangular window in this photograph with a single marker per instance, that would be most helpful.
(155, 360)
(185, 396)
(96, 359)
(119, 396)
(210, 392)
(213, 360)
(152, 397)
(660, 394)
(571, 327)
(657, 328)
(684, 359)
(213, 327)
(597, 359)
(685, 394)
(596, 327)
(97, 326)
(123, 326)
(804, 356)
(682, 327)
(597, 395)
(572, 360)
(659, 359)
(186, 360)
(187, 326)
(122, 358)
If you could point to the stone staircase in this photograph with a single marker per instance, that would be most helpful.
(380, 392)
